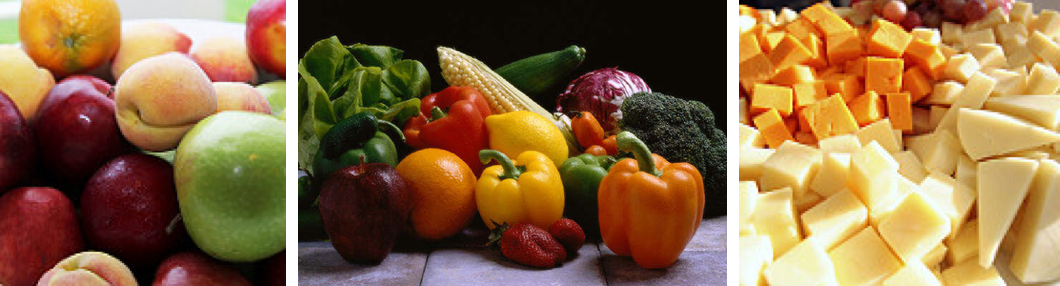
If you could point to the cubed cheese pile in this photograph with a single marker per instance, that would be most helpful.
(871, 201)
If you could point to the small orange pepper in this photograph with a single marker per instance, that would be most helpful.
(587, 129)
(610, 145)
(596, 150)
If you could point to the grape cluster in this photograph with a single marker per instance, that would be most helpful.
(929, 13)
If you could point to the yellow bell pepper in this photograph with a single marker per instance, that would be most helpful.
(529, 192)
(649, 208)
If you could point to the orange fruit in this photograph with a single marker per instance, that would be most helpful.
(69, 36)
(443, 193)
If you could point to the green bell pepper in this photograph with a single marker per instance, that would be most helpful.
(357, 136)
(581, 177)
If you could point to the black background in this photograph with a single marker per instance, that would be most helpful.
(677, 49)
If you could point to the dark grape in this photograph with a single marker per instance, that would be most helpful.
(974, 10)
(932, 19)
(912, 20)
(894, 11)
(953, 10)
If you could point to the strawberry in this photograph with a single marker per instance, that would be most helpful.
(568, 233)
(530, 245)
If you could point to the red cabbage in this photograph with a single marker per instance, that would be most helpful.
(601, 92)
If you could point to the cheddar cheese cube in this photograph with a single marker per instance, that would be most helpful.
(883, 75)
(833, 118)
(825, 19)
(772, 128)
(900, 111)
(807, 93)
(843, 46)
(794, 74)
(867, 108)
(916, 83)
(769, 96)
(788, 52)
(848, 86)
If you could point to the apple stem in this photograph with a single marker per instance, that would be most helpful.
(173, 224)
(361, 165)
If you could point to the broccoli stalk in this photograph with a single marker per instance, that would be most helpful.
(681, 131)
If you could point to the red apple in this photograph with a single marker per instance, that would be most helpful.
(267, 35)
(363, 208)
(38, 228)
(74, 84)
(17, 149)
(273, 271)
(129, 209)
(78, 132)
(193, 268)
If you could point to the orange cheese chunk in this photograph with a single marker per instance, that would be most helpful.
(883, 75)
(807, 117)
(916, 83)
(887, 39)
(807, 93)
(832, 117)
(900, 111)
(794, 74)
(818, 56)
(789, 52)
(846, 85)
(772, 128)
(856, 67)
(749, 46)
(826, 20)
(867, 108)
(806, 138)
(770, 40)
(927, 56)
(767, 96)
(802, 28)
(843, 46)
(754, 70)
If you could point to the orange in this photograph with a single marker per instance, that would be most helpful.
(69, 36)
(443, 193)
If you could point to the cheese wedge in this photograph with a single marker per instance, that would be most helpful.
(970, 273)
(913, 274)
(835, 219)
(1043, 110)
(973, 95)
(806, 264)
(774, 216)
(748, 197)
(793, 165)
(986, 134)
(755, 254)
(1003, 183)
(914, 227)
(1038, 245)
(864, 259)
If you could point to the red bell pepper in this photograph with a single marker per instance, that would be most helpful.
(452, 120)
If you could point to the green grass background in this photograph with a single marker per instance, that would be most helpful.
(235, 12)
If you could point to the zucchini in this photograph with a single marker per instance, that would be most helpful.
(538, 74)
(348, 134)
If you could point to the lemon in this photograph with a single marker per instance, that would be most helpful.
(514, 132)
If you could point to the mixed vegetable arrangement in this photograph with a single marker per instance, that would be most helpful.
(365, 112)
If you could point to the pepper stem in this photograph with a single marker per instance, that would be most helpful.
(510, 171)
(437, 113)
(628, 142)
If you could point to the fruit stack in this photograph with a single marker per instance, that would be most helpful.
(907, 155)
(168, 166)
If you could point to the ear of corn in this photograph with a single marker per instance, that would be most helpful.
(459, 69)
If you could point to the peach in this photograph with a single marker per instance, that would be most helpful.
(144, 41)
(160, 98)
(225, 59)
(240, 96)
(89, 268)
(23, 81)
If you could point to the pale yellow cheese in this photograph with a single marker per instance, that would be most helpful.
(905, 187)
(881, 132)
(992, 18)
(1047, 22)
(909, 166)
(944, 92)
(1003, 183)
(806, 264)
(966, 172)
(748, 197)
(936, 255)
(931, 36)
(973, 95)
(873, 175)
(864, 259)
(938, 152)
(936, 114)
(1021, 12)
(973, 38)
(806, 201)
(1043, 110)
(750, 137)
(1008, 82)
(954, 199)
(793, 165)
(751, 160)
(833, 175)
(1036, 257)
(846, 143)
(951, 32)
(1042, 79)
(1017, 52)
(787, 15)
(960, 67)
(914, 227)
(835, 219)
(970, 273)
(989, 55)
(1043, 46)
(745, 116)
(1012, 30)
(965, 245)
(986, 134)
(913, 274)
(774, 216)
(755, 254)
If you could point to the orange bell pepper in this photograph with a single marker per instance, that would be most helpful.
(649, 208)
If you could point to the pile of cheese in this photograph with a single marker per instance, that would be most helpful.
(934, 195)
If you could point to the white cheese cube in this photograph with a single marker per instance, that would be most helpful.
(1034, 259)
(938, 152)
(1042, 80)
(1043, 46)
(954, 199)
(774, 216)
(929, 35)
(973, 95)
(970, 273)
(1017, 52)
(992, 19)
(806, 201)
(880, 132)
(835, 219)
(964, 245)
(1021, 12)
(806, 264)
(751, 160)
(914, 228)
(990, 56)
(793, 165)
(935, 115)
(980, 129)
(984, 36)
(1007, 31)
(864, 259)
(1043, 110)
(966, 172)
(1003, 183)
(882, 211)
(1008, 82)
(833, 174)
(750, 137)
(909, 166)
(944, 92)
(748, 197)
(873, 175)
(913, 274)
(755, 254)
(846, 143)
(951, 32)
(960, 67)
(1047, 22)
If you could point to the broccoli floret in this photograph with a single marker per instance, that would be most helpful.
(681, 131)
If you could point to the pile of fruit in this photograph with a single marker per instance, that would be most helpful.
(166, 167)
(364, 181)
(875, 153)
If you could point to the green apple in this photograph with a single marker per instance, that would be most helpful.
(276, 93)
(229, 172)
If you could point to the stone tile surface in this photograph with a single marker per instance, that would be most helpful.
(488, 267)
(710, 235)
(692, 268)
(320, 264)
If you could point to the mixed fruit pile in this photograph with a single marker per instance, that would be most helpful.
(380, 156)
(165, 168)
(875, 151)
